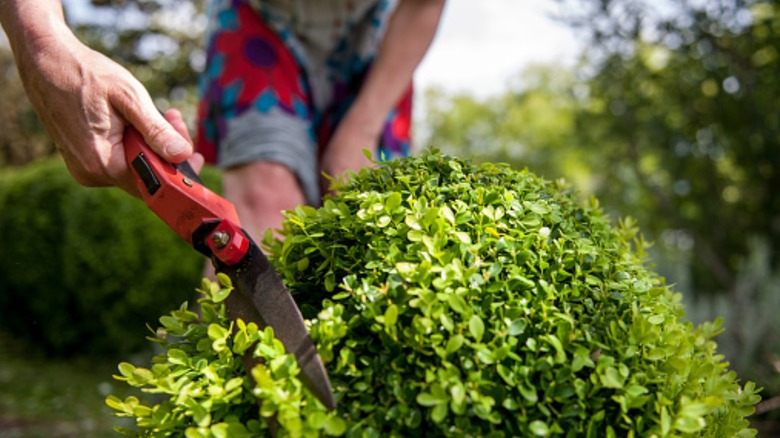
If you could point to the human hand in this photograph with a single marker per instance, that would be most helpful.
(345, 152)
(85, 101)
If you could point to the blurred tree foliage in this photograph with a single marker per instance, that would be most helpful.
(159, 41)
(22, 137)
(684, 104)
(672, 116)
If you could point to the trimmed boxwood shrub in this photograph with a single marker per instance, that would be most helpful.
(84, 270)
(452, 300)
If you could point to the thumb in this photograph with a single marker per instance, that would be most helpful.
(158, 133)
(173, 116)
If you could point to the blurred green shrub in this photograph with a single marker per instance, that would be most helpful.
(85, 270)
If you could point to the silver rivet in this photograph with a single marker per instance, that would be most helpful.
(187, 181)
(220, 239)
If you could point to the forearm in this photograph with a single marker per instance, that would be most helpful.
(38, 34)
(29, 24)
(408, 37)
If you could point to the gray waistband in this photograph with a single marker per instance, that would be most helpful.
(277, 137)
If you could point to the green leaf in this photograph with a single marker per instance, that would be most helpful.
(476, 327)
(447, 214)
(457, 303)
(611, 378)
(216, 331)
(115, 403)
(560, 353)
(429, 399)
(439, 413)
(454, 343)
(177, 357)
(458, 393)
(689, 424)
(317, 419)
(539, 428)
(412, 222)
(393, 201)
(415, 235)
(126, 369)
(636, 390)
(517, 327)
(196, 432)
(391, 315)
(528, 392)
(142, 376)
(335, 426)
(330, 281)
(656, 319)
(463, 237)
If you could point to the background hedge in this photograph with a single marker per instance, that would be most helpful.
(84, 270)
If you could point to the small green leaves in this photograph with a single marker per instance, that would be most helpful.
(218, 335)
(134, 376)
(219, 291)
(448, 299)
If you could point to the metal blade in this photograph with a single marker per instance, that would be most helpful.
(262, 298)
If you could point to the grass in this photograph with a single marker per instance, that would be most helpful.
(55, 398)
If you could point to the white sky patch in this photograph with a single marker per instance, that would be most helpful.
(481, 44)
(479, 47)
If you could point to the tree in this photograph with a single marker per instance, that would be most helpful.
(686, 106)
(530, 126)
(159, 41)
(22, 137)
(674, 121)
(672, 117)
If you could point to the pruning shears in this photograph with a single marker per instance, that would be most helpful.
(210, 224)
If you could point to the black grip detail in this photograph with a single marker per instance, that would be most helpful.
(144, 170)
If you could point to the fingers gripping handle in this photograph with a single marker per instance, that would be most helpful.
(178, 197)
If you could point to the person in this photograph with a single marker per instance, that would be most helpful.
(292, 89)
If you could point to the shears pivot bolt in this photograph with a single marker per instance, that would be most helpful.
(220, 239)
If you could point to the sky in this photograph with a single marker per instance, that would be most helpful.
(481, 44)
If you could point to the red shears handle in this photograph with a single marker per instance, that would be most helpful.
(184, 203)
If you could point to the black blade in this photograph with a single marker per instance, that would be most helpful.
(262, 298)
(188, 171)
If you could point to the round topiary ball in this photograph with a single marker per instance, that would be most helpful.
(448, 299)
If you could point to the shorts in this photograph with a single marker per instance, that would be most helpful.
(257, 103)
